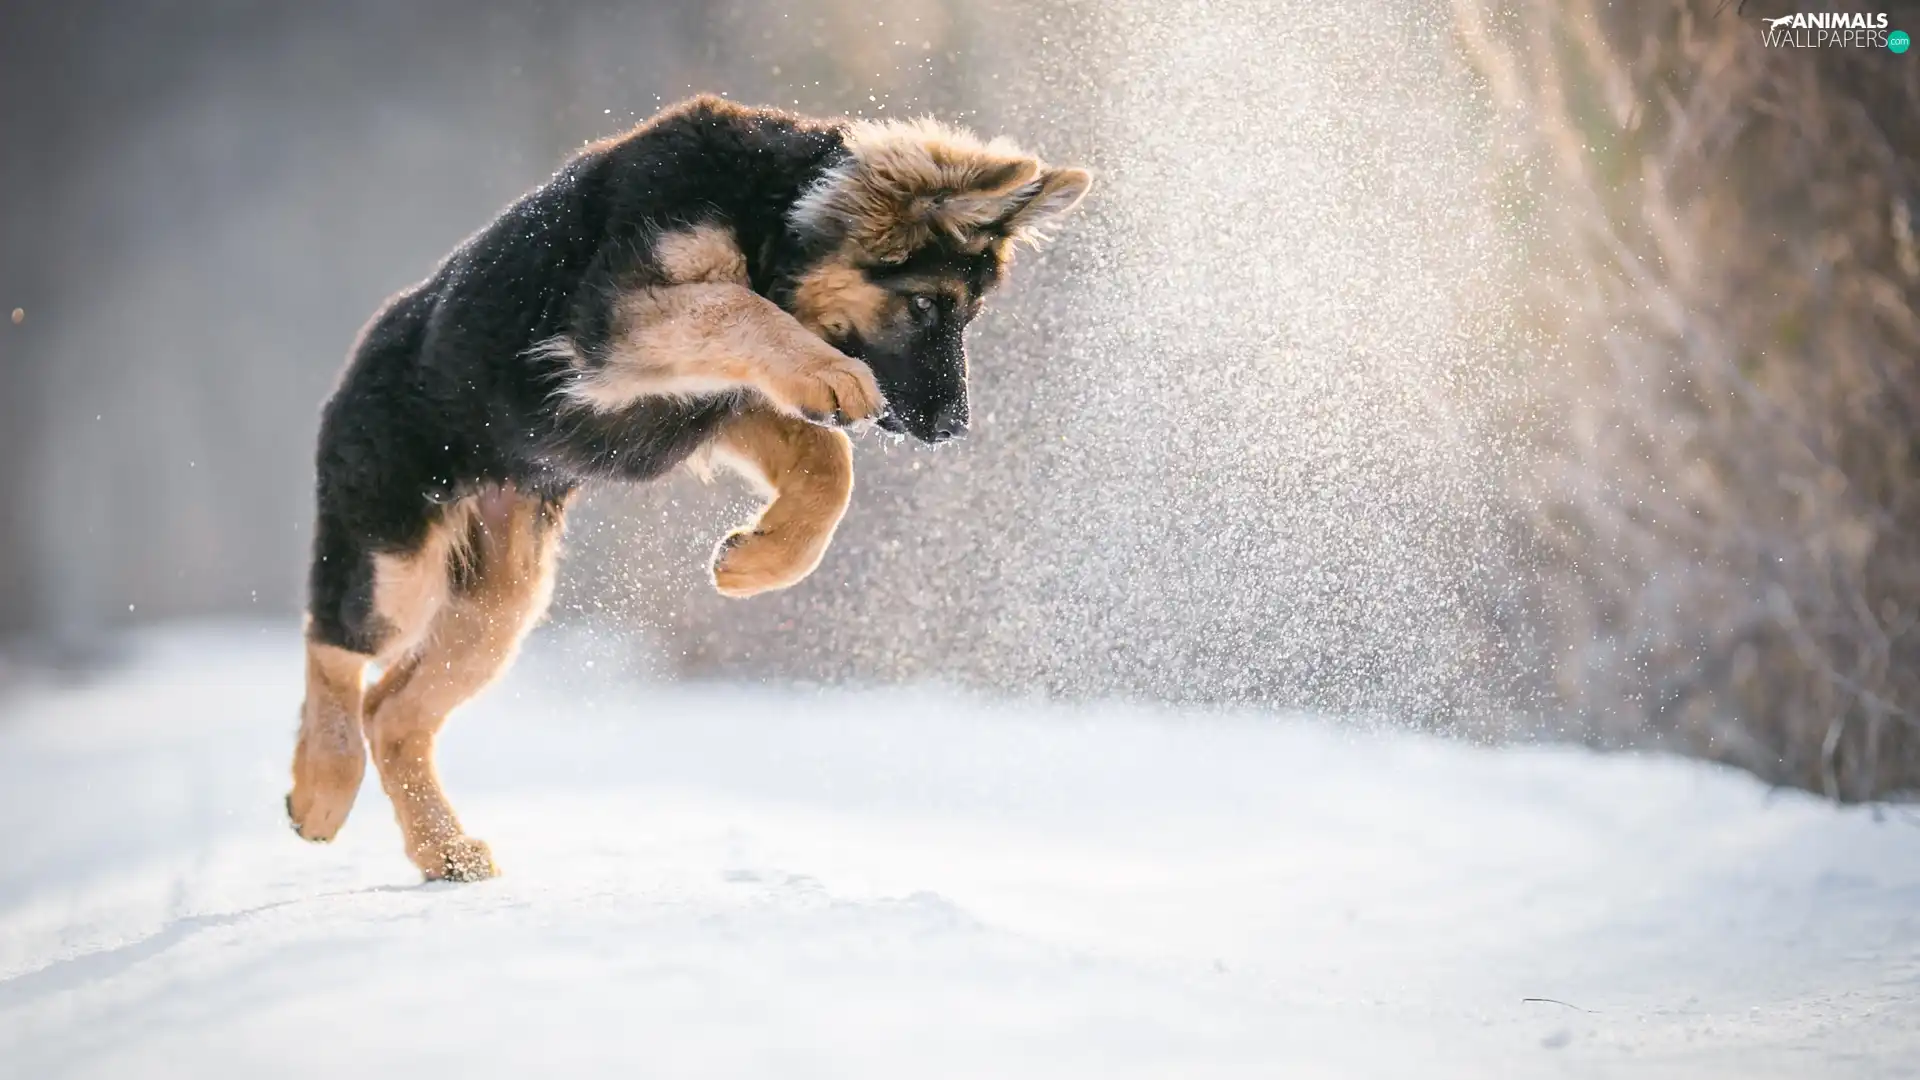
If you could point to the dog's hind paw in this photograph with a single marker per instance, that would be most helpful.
(293, 821)
(461, 859)
(313, 817)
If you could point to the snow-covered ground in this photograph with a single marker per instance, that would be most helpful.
(719, 881)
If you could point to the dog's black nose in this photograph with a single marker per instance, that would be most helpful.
(949, 425)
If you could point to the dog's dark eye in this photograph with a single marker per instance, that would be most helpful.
(923, 305)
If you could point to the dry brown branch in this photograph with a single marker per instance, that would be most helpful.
(1730, 486)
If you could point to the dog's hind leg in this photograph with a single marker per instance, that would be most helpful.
(363, 607)
(499, 587)
(808, 472)
(329, 756)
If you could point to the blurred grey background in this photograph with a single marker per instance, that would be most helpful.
(1448, 362)
(206, 200)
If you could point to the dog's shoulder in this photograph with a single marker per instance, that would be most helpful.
(711, 164)
(689, 195)
(696, 194)
(706, 134)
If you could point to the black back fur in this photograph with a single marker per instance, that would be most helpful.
(445, 393)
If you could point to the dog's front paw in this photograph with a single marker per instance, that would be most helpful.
(748, 562)
(834, 390)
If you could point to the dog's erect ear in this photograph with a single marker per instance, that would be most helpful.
(906, 183)
(1043, 200)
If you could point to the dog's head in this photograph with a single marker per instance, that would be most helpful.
(906, 232)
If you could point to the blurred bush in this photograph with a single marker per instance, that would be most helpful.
(1723, 235)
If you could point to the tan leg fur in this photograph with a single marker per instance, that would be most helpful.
(710, 337)
(329, 756)
(808, 471)
(473, 639)
(447, 640)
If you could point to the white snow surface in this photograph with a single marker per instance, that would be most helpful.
(718, 881)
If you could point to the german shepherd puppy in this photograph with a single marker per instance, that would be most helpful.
(721, 284)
